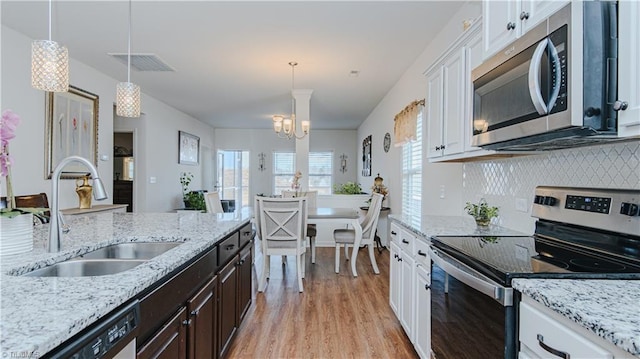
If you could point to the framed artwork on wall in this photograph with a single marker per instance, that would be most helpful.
(188, 148)
(71, 129)
(366, 156)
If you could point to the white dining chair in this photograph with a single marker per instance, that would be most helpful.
(283, 226)
(212, 202)
(312, 197)
(347, 236)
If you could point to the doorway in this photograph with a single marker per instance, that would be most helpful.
(124, 170)
(233, 177)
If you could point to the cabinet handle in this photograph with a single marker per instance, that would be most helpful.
(427, 287)
(186, 322)
(241, 262)
(524, 15)
(511, 25)
(246, 233)
(405, 241)
(442, 147)
(194, 313)
(395, 256)
(399, 259)
(421, 253)
(229, 247)
(437, 148)
(556, 352)
(620, 105)
(394, 233)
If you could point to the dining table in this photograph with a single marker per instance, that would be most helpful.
(347, 216)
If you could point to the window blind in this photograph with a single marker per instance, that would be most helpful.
(412, 176)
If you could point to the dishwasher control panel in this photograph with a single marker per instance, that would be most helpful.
(111, 333)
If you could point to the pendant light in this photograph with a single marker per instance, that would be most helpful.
(49, 64)
(128, 93)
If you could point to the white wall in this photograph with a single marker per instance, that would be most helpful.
(412, 86)
(266, 141)
(156, 132)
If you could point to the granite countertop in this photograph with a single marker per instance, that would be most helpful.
(39, 313)
(611, 311)
(453, 226)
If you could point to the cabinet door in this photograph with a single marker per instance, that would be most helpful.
(534, 11)
(406, 293)
(453, 102)
(228, 304)
(170, 341)
(473, 58)
(434, 112)
(244, 282)
(422, 309)
(628, 72)
(202, 321)
(395, 272)
(500, 24)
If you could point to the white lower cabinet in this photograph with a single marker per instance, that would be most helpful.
(544, 333)
(410, 280)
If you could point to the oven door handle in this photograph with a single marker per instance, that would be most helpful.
(472, 278)
(535, 90)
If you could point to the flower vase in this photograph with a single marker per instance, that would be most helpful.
(16, 234)
(483, 222)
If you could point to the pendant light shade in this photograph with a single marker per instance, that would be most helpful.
(128, 93)
(49, 64)
(127, 99)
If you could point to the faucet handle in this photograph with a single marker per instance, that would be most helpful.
(63, 225)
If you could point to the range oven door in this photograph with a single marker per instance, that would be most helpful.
(472, 317)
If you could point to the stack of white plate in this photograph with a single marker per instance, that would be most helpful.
(16, 234)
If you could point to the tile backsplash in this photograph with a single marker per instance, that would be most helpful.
(503, 181)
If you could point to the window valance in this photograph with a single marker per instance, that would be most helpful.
(404, 128)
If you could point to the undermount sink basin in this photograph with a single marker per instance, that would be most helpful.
(85, 268)
(111, 259)
(131, 250)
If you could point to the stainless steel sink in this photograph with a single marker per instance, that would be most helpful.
(131, 250)
(85, 268)
(111, 259)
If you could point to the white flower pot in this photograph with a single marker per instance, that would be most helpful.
(16, 234)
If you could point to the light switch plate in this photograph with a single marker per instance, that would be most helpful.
(152, 180)
(521, 205)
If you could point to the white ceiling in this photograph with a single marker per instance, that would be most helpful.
(231, 58)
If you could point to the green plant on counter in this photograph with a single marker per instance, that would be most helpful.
(347, 188)
(481, 212)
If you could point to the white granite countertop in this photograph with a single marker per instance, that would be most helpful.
(608, 308)
(453, 226)
(39, 313)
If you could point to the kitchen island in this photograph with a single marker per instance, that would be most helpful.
(37, 314)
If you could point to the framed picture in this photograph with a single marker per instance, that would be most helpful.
(71, 129)
(189, 148)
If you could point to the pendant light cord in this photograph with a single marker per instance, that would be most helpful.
(129, 48)
(50, 19)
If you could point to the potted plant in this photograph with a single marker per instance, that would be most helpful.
(481, 212)
(192, 199)
(347, 188)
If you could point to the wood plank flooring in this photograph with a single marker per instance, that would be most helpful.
(337, 315)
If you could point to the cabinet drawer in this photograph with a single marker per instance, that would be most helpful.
(407, 241)
(394, 232)
(544, 335)
(228, 248)
(246, 234)
(421, 254)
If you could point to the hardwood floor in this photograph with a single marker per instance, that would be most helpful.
(337, 315)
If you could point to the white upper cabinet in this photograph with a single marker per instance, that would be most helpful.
(505, 21)
(628, 72)
(473, 55)
(453, 102)
(434, 111)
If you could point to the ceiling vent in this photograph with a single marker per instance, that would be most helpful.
(143, 62)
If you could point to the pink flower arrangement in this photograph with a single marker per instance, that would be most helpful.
(8, 124)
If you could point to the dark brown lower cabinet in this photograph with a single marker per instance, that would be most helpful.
(201, 339)
(170, 342)
(228, 304)
(244, 284)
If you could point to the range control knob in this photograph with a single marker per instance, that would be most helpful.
(629, 209)
(550, 201)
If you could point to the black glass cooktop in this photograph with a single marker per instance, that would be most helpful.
(505, 258)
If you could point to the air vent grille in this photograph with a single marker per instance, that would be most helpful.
(143, 62)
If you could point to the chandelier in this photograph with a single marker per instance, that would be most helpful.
(285, 127)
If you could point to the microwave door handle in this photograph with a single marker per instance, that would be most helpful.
(557, 79)
(535, 91)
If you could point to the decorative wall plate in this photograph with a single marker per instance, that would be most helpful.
(387, 142)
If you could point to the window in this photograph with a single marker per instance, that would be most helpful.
(412, 177)
(320, 171)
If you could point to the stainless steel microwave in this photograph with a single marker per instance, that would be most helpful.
(555, 87)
